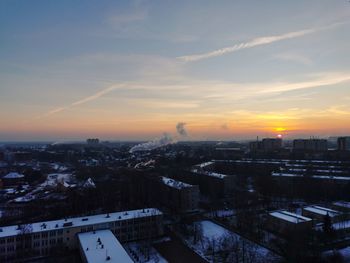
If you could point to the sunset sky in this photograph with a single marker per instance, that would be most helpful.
(131, 70)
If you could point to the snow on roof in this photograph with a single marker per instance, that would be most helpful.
(13, 175)
(321, 210)
(341, 178)
(202, 165)
(290, 217)
(212, 174)
(175, 184)
(342, 204)
(279, 161)
(81, 221)
(102, 246)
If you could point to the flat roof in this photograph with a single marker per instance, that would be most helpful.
(211, 174)
(321, 210)
(202, 165)
(102, 246)
(175, 184)
(290, 217)
(80, 221)
(342, 204)
(329, 177)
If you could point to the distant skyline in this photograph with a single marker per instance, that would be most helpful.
(133, 70)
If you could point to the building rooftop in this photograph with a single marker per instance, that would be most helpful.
(175, 184)
(13, 175)
(329, 177)
(212, 174)
(202, 165)
(102, 246)
(321, 210)
(342, 204)
(290, 217)
(80, 221)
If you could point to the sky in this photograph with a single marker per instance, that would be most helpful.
(132, 70)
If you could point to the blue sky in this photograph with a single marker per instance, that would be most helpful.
(134, 69)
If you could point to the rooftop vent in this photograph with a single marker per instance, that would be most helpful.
(85, 219)
(67, 224)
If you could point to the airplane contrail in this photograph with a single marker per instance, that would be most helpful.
(81, 101)
(255, 42)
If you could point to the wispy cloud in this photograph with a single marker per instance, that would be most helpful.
(293, 57)
(81, 101)
(254, 43)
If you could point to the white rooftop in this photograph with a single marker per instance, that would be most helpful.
(13, 175)
(81, 221)
(202, 165)
(329, 177)
(102, 246)
(175, 184)
(321, 210)
(290, 217)
(212, 174)
(342, 204)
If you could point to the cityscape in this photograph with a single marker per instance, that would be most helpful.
(174, 131)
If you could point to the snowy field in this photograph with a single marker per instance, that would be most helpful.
(217, 244)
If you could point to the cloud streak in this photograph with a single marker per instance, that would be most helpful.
(81, 101)
(254, 43)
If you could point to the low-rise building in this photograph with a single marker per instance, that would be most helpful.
(41, 238)
(179, 196)
(102, 246)
(318, 213)
(284, 222)
(341, 206)
(214, 184)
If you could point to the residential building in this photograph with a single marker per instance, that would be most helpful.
(42, 238)
(179, 196)
(344, 143)
(312, 145)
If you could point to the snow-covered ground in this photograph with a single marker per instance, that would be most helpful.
(143, 253)
(211, 240)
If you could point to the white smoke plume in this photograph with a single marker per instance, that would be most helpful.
(180, 128)
(151, 145)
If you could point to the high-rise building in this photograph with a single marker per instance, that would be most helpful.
(344, 143)
(315, 145)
